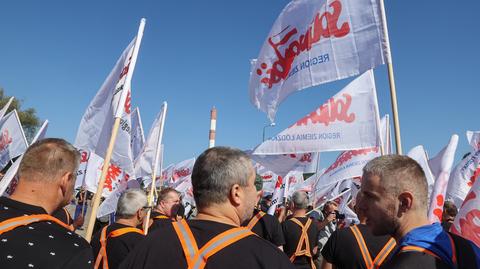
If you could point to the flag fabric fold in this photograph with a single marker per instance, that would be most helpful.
(314, 42)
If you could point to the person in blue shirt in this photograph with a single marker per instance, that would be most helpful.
(394, 198)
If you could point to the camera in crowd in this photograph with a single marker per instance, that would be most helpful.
(339, 216)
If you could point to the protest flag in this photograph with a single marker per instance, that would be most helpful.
(441, 165)
(118, 87)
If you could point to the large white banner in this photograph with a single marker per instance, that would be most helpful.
(12, 139)
(467, 221)
(96, 125)
(314, 42)
(349, 120)
(463, 177)
(284, 163)
(441, 165)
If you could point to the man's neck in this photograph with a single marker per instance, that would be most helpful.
(32, 193)
(219, 213)
(299, 213)
(409, 223)
(133, 222)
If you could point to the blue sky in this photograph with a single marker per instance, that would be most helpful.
(55, 55)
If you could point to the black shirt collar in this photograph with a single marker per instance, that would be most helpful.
(25, 208)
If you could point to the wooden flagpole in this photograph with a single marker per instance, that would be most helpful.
(158, 156)
(391, 79)
(101, 183)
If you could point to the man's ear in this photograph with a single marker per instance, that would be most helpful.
(236, 193)
(65, 182)
(405, 200)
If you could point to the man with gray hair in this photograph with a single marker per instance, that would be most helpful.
(224, 191)
(29, 236)
(300, 233)
(122, 236)
(394, 200)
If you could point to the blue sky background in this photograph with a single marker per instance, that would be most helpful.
(55, 55)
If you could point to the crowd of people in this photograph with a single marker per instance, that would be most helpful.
(231, 228)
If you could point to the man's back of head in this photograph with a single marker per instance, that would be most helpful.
(224, 177)
(300, 200)
(47, 174)
(130, 206)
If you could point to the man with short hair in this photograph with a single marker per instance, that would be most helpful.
(162, 214)
(29, 236)
(112, 244)
(264, 225)
(300, 233)
(394, 199)
(450, 211)
(356, 247)
(225, 195)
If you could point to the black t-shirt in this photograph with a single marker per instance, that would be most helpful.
(268, 228)
(117, 247)
(42, 244)
(342, 249)
(159, 221)
(292, 233)
(63, 215)
(162, 249)
(414, 260)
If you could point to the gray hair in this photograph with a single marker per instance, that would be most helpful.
(300, 200)
(130, 202)
(399, 173)
(215, 171)
(47, 159)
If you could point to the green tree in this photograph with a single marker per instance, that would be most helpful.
(28, 118)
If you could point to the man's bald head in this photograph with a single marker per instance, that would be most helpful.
(400, 174)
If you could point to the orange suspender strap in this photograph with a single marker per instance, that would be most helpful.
(102, 253)
(122, 231)
(303, 239)
(161, 217)
(10, 224)
(218, 243)
(383, 254)
(426, 251)
(255, 219)
(189, 245)
(362, 246)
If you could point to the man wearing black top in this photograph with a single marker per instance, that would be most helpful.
(162, 214)
(394, 199)
(223, 187)
(356, 247)
(121, 237)
(264, 225)
(46, 180)
(300, 233)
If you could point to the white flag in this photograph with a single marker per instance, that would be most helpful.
(314, 42)
(349, 120)
(148, 158)
(463, 177)
(3, 111)
(278, 195)
(418, 154)
(269, 180)
(473, 138)
(284, 163)
(97, 122)
(441, 165)
(467, 221)
(181, 172)
(9, 179)
(137, 134)
(12, 138)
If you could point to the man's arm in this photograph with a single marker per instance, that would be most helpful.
(327, 265)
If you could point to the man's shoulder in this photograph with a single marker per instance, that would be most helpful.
(414, 260)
